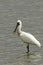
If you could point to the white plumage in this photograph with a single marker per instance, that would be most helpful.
(26, 37)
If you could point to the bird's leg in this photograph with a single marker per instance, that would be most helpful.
(28, 48)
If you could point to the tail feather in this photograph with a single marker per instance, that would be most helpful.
(38, 44)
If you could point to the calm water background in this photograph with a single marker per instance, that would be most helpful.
(12, 49)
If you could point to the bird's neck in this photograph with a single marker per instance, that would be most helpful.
(19, 31)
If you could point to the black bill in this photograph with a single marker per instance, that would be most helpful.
(16, 27)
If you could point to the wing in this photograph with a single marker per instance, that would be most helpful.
(29, 38)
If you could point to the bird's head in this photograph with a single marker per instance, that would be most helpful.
(18, 26)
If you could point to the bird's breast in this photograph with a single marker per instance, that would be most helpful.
(19, 33)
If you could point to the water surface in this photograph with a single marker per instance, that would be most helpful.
(12, 49)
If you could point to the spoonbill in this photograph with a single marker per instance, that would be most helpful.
(26, 37)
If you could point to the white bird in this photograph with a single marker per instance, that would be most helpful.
(26, 37)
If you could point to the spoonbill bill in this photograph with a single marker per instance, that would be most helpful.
(26, 37)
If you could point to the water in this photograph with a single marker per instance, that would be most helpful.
(12, 49)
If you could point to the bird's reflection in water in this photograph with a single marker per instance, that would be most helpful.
(29, 58)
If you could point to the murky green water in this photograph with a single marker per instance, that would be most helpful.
(12, 49)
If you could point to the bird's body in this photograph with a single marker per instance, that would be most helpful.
(26, 37)
(29, 39)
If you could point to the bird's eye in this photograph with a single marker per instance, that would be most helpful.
(18, 23)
